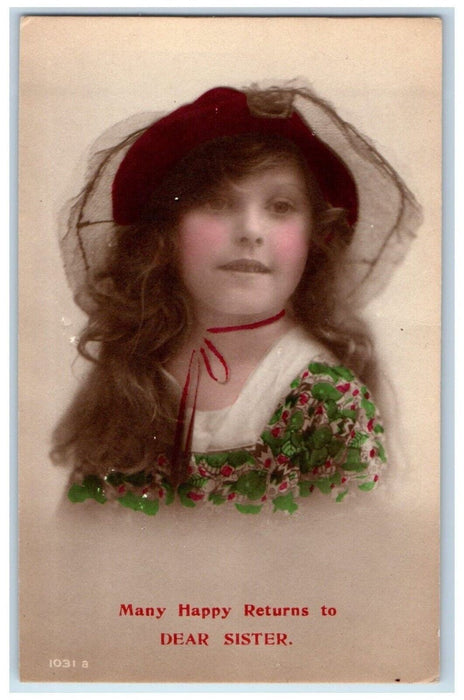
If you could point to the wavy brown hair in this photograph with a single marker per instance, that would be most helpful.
(123, 415)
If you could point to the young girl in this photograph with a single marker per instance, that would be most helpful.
(228, 364)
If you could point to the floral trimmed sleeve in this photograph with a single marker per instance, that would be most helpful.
(326, 436)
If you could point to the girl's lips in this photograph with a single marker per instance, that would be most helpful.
(245, 265)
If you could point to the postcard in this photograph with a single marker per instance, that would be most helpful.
(229, 349)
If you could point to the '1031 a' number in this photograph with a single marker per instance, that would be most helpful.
(67, 663)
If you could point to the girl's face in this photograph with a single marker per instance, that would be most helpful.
(243, 251)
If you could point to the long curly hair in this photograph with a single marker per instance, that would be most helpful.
(124, 415)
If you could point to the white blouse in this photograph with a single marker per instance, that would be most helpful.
(242, 423)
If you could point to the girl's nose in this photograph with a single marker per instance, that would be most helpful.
(249, 227)
(250, 240)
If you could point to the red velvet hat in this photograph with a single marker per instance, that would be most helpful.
(221, 112)
(130, 160)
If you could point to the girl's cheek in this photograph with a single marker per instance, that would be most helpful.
(200, 235)
(292, 243)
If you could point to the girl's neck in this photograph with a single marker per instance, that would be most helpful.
(235, 354)
(205, 319)
(242, 336)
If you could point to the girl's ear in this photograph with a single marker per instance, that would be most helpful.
(333, 230)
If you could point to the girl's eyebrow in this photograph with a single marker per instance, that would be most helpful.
(290, 188)
(294, 185)
(271, 186)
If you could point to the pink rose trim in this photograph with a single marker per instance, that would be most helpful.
(344, 387)
(226, 470)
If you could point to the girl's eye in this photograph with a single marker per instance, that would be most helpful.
(217, 203)
(282, 206)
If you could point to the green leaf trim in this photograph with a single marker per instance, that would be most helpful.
(197, 482)
(170, 493)
(274, 443)
(215, 460)
(130, 500)
(335, 447)
(334, 372)
(367, 486)
(289, 449)
(217, 499)
(305, 488)
(297, 438)
(276, 416)
(321, 368)
(344, 372)
(322, 436)
(369, 408)
(323, 391)
(381, 451)
(285, 502)
(359, 439)
(318, 457)
(331, 409)
(325, 483)
(252, 485)
(353, 460)
(348, 413)
(237, 459)
(296, 421)
(92, 487)
(248, 509)
(182, 490)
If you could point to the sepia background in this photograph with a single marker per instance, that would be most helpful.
(374, 558)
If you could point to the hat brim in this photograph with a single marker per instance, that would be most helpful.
(388, 214)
